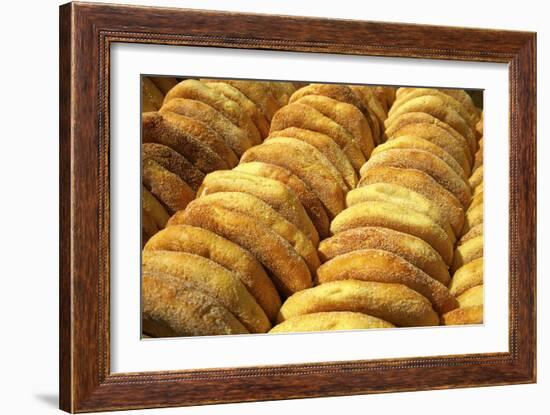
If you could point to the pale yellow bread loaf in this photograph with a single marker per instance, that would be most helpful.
(248, 106)
(448, 100)
(330, 321)
(436, 135)
(396, 217)
(155, 129)
(474, 217)
(262, 213)
(302, 160)
(174, 309)
(204, 275)
(271, 191)
(164, 83)
(477, 177)
(393, 303)
(168, 188)
(464, 315)
(257, 92)
(411, 248)
(467, 252)
(308, 118)
(154, 215)
(287, 269)
(471, 234)
(376, 265)
(198, 241)
(347, 115)
(311, 203)
(413, 142)
(440, 109)
(174, 162)
(476, 200)
(327, 147)
(236, 138)
(467, 276)
(399, 195)
(423, 118)
(423, 184)
(471, 297)
(204, 134)
(194, 89)
(151, 96)
(426, 162)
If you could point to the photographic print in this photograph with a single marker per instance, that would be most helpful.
(283, 206)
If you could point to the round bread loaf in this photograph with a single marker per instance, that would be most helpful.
(467, 252)
(393, 303)
(330, 321)
(471, 297)
(409, 247)
(376, 265)
(464, 315)
(467, 276)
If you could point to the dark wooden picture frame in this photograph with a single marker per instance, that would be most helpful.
(86, 33)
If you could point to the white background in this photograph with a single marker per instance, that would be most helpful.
(29, 207)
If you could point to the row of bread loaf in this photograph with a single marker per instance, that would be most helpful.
(387, 263)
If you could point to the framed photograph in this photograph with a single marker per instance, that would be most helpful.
(258, 207)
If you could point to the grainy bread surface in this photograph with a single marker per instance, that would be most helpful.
(467, 276)
(464, 315)
(467, 252)
(330, 321)
(393, 303)
(471, 297)
(198, 241)
(376, 265)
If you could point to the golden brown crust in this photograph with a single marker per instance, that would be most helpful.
(376, 265)
(474, 216)
(421, 183)
(399, 195)
(174, 162)
(235, 137)
(258, 92)
(282, 91)
(335, 320)
(308, 118)
(367, 96)
(245, 103)
(417, 143)
(164, 83)
(471, 297)
(389, 215)
(151, 96)
(262, 213)
(341, 93)
(447, 99)
(202, 274)
(426, 162)
(413, 249)
(172, 309)
(393, 303)
(477, 177)
(436, 107)
(204, 134)
(425, 118)
(466, 315)
(459, 151)
(311, 203)
(198, 241)
(465, 100)
(467, 276)
(287, 269)
(467, 252)
(472, 233)
(193, 89)
(327, 147)
(155, 129)
(154, 215)
(347, 115)
(304, 161)
(168, 188)
(272, 192)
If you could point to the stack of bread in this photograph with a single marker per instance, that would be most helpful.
(467, 268)
(192, 128)
(310, 207)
